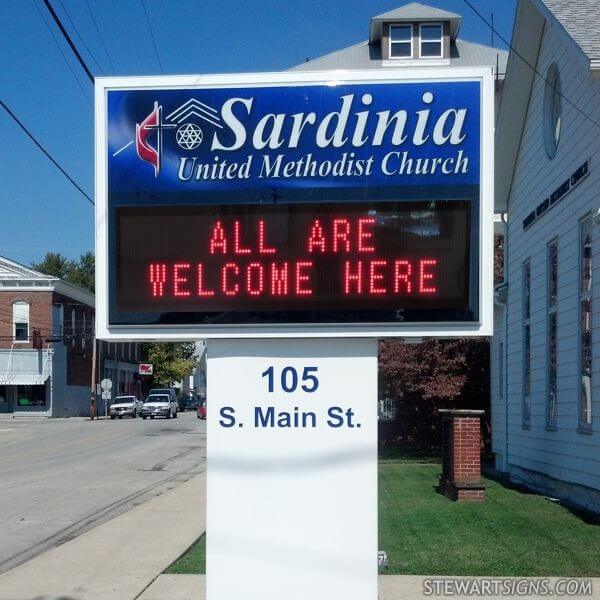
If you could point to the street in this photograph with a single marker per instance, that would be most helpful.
(61, 477)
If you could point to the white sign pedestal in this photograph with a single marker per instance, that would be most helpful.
(292, 469)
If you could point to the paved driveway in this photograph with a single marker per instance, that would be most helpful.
(61, 477)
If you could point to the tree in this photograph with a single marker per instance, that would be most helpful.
(84, 272)
(421, 378)
(432, 369)
(172, 361)
(81, 272)
(55, 265)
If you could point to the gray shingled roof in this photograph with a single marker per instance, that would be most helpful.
(581, 20)
(417, 12)
(368, 56)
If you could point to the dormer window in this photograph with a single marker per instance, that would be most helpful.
(414, 35)
(401, 41)
(431, 40)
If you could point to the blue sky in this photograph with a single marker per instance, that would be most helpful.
(43, 84)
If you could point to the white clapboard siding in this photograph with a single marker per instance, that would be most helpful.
(564, 454)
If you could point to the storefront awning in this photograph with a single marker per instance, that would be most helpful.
(23, 378)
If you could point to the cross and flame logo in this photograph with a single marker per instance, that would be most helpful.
(188, 135)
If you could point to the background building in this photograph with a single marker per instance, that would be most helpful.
(545, 357)
(46, 342)
(195, 383)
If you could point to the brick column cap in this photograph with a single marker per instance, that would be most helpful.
(456, 412)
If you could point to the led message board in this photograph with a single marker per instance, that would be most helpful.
(293, 204)
(320, 261)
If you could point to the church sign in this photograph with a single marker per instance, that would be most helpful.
(282, 203)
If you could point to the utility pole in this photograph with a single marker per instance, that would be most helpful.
(492, 30)
(93, 386)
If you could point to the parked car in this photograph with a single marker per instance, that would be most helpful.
(169, 391)
(123, 406)
(201, 410)
(182, 403)
(188, 402)
(159, 405)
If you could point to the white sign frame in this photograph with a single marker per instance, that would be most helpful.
(152, 332)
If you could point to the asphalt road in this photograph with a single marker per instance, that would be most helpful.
(61, 477)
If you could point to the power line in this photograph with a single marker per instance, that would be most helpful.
(533, 68)
(68, 39)
(100, 35)
(48, 155)
(79, 35)
(52, 34)
(152, 36)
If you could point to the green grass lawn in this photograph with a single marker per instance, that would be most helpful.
(510, 534)
(193, 561)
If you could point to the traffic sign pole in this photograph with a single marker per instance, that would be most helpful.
(93, 384)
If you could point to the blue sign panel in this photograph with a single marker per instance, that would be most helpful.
(252, 139)
(348, 202)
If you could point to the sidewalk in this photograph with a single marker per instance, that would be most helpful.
(119, 559)
(391, 587)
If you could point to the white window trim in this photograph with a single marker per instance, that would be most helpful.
(552, 125)
(419, 64)
(83, 332)
(412, 41)
(526, 324)
(73, 325)
(441, 26)
(501, 370)
(22, 320)
(551, 311)
(583, 426)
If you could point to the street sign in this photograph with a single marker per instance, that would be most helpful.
(145, 369)
(106, 395)
(277, 205)
(106, 384)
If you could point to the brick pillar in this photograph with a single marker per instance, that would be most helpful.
(461, 455)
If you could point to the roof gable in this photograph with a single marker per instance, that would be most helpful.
(418, 11)
(16, 276)
(13, 270)
(512, 113)
(580, 20)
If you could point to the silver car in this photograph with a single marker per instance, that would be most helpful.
(159, 405)
(125, 406)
